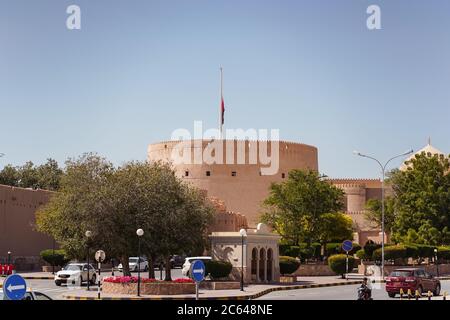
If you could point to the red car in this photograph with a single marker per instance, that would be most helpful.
(413, 279)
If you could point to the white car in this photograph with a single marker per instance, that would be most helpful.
(133, 264)
(75, 273)
(30, 295)
(188, 261)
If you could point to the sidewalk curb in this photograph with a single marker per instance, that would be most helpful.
(243, 297)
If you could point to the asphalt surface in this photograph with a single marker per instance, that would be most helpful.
(49, 287)
(340, 293)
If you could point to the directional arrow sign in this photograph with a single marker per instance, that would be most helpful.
(198, 270)
(14, 287)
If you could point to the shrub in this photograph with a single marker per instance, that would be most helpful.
(337, 263)
(288, 265)
(126, 279)
(218, 269)
(370, 247)
(284, 248)
(292, 251)
(361, 254)
(425, 251)
(54, 257)
(411, 251)
(390, 253)
(444, 253)
(333, 248)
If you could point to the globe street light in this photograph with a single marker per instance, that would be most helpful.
(9, 257)
(383, 172)
(88, 235)
(139, 233)
(243, 234)
(436, 259)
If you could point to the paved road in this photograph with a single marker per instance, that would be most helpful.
(49, 287)
(337, 293)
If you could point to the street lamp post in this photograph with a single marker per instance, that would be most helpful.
(436, 261)
(383, 172)
(243, 234)
(53, 260)
(139, 233)
(88, 235)
(9, 257)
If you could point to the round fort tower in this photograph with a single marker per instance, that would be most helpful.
(242, 170)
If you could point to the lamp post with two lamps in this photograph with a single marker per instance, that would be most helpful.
(383, 172)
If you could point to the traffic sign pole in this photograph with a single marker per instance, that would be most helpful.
(346, 266)
(197, 273)
(347, 246)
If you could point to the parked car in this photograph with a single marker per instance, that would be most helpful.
(413, 279)
(176, 262)
(133, 264)
(30, 295)
(75, 273)
(188, 261)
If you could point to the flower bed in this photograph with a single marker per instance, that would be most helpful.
(128, 285)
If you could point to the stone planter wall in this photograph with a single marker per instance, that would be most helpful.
(158, 288)
(219, 285)
(306, 270)
(50, 268)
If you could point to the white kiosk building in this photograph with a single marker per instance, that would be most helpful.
(259, 249)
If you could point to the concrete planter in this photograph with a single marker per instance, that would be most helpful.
(288, 279)
(155, 288)
(50, 268)
(219, 285)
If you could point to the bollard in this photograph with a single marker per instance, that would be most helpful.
(444, 295)
(409, 294)
(401, 293)
(417, 295)
(429, 295)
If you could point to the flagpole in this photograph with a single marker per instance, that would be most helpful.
(221, 99)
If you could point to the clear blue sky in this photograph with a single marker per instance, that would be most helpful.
(137, 70)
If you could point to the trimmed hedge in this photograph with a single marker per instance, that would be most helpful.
(58, 258)
(301, 251)
(288, 265)
(425, 251)
(444, 253)
(336, 248)
(218, 269)
(361, 254)
(390, 253)
(337, 263)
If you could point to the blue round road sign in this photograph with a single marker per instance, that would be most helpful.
(198, 270)
(14, 287)
(347, 245)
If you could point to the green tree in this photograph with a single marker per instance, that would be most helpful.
(114, 202)
(49, 175)
(422, 200)
(373, 212)
(334, 227)
(28, 176)
(9, 176)
(295, 207)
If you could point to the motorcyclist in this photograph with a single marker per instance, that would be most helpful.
(364, 291)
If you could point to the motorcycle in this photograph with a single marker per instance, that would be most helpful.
(364, 293)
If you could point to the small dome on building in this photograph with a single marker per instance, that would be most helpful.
(428, 149)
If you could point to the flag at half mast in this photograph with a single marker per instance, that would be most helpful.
(222, 104)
